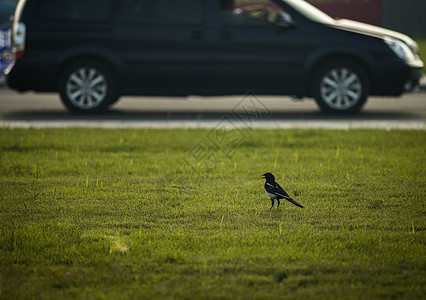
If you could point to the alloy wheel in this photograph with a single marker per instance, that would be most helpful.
(86, 88)
(341, 88)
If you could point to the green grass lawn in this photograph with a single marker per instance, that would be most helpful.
(160, 214)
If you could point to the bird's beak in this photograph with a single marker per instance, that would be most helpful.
(263, 176)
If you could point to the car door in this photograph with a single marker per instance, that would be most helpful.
(163, 46)
(253, 53)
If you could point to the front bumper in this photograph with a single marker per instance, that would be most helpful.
(393, 77)
(413, 83)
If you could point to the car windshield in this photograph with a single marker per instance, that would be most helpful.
(309, 11)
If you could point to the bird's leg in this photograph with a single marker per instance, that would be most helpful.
(272, 200)
(278, 206)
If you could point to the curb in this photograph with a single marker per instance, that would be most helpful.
(299, 124)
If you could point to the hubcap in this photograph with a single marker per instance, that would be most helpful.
(341, 88)
(86, 88)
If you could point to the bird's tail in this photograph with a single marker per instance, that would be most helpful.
(294, 202)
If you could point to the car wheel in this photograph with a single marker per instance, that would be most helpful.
(87, 86)
(341, 87)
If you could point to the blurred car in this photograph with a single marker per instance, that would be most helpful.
(94, 51)
(7, 8)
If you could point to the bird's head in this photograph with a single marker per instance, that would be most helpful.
(268, 177)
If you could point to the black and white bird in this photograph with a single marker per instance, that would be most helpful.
(275, 191)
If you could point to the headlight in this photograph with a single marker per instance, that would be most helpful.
(399, 48)
(414, 47)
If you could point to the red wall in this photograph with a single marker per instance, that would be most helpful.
(367, 11)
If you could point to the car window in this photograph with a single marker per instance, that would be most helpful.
(161, 12)
(76, 10)
(249, 13)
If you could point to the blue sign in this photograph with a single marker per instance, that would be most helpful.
(5, 48)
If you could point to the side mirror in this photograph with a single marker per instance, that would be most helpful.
(283, 19)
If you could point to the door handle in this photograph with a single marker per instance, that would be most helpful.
(225, 35)
(197, 34)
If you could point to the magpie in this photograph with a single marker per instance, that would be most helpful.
(275, 191)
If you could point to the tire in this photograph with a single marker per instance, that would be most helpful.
(87, 86)
(341, 87)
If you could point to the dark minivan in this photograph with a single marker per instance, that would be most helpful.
(94, 51)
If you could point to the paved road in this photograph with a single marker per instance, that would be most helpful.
(46, 110)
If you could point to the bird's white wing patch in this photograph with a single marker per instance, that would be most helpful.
(271, 196)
